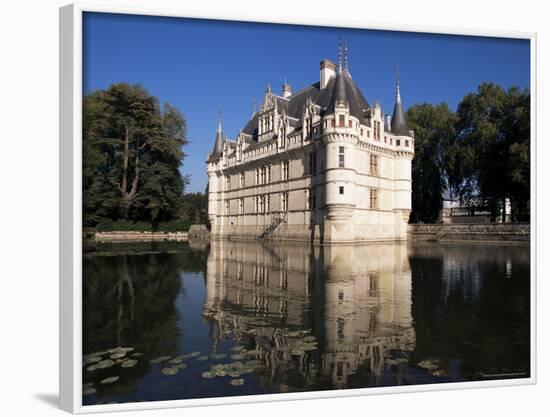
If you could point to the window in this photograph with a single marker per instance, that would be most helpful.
(373, 197)
(241, 179)
(262, 204)
(263, 175)
(341, 189)
(269, 173)
(333, 122)
(312, 163)
(341, 160)
(373, 165)
(267, 203)
(342, 121)
(397, 142)
(257, 204)
(350, 123)
(227, 207)
(361, 132)
(241, 205)
(406, 143)
(227, 182)
(286, 170)
(368, 133)
(284, 201)
(257, 176)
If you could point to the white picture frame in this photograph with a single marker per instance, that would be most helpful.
(70, 153)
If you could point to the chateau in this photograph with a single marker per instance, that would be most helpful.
(320, 165)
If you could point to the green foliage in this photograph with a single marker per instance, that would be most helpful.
(493, 129)
(194, 208)
(480, 154)
(434, 131)
(132, 156)
(122, 225)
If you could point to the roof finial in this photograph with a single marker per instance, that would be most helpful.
(220, 121)
(346, 56)
(254, 104)
(398, 85)
(340, 54)
(268, 86)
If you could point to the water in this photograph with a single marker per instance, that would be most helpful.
(300, 317)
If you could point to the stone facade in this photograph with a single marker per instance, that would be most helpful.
(317, 165)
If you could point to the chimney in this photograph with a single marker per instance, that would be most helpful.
(328, 70)
(287, 90)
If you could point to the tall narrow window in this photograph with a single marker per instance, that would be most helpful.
(286, 169)
(227, 182)
(341, 159)
(268, 174)
(373, 197)
(241, 205)
(313, 163)
(267, 204)
(241, 179)
(341, 190)
(373, 165)
(257, 176)
(284, 201)
(227, 207)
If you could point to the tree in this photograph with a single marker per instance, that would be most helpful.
(434, 132)
(493, 129)
(132, 156)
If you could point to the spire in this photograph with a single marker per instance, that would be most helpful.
(339, 96)
(340, 54)
(398, 121)
(346, 57)
(398, 85)
(218, 143)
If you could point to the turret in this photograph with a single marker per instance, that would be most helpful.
(398, 122)
(217, 150)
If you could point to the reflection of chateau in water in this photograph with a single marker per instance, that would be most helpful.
(355, 300)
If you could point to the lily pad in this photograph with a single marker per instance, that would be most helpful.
(170, 371)
(91, 359)
(176, 360)
(137, 355)
(88, 391)
(194, 354)
(236, 382)
(297, 352)
(309, 339)
(160, 359)
(253, 352)
(217, 356)
(180, 366)
(208, 375)
(234, 374)
(237, 357)
(202, 358)
(429, 364)
(129, 363)
(107, 363)
(109, 380)
(92, 368)
(118, 355)
(237, 348)
(309, 346)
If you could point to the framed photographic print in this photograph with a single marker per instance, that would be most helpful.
(272, 210)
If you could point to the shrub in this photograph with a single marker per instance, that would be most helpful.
(174, 226)
(105, 225)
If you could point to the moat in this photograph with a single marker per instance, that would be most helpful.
(179, 320)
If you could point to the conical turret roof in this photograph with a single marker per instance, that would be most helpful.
(398, 122)
(218, 143)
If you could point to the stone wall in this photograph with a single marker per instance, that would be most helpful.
(139, 236)
(198, 231)
(513, 232)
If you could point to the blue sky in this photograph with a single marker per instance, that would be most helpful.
(202, 66)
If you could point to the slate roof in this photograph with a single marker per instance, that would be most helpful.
(293, 106)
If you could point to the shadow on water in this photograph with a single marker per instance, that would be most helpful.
(240, 318)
